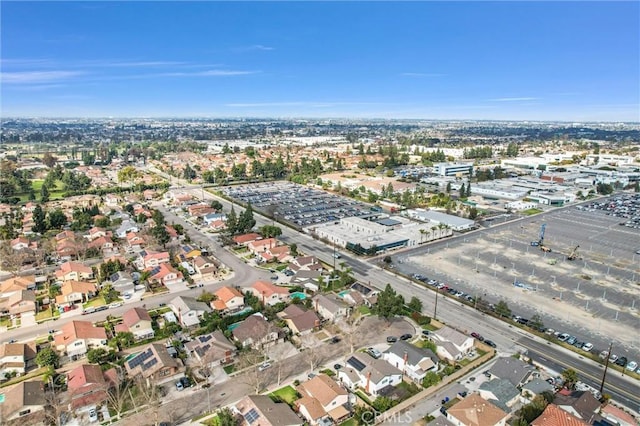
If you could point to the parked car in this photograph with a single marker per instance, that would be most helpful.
(392, 339)
(490, 343)
(587, 347)
(632, 366)
(426, 332)
(179, 385)
(477, 336)
(93, 415)
(264, 366)
(334, 339)
(374, 353)
(622, 361)
(406, 336)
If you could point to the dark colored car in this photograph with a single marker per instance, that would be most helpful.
(392, 339)
(490, 343)
(334, 339)
(622, 361)
(477, 336)
(406, 336)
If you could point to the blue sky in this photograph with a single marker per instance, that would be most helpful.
(574, 61)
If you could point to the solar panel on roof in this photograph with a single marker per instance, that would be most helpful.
(205, 338)
(149, 364)
(140, 358)
(356, 363)
(251, 416)
(155, 270)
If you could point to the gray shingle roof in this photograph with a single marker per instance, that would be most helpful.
(514, 370)
(414, 353)
(501, 389)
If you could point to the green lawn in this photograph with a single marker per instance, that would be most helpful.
(364, 310)
(350, 422)
(98, 301)
(530, 212)
(288, 394)
(46, 314)
(213, 421)
(229, 368)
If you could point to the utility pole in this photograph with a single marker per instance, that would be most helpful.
(606, 365)
(435, 308)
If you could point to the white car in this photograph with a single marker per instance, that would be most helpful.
(613, 358)
(632, 366)
(587, 347)
(264, 366)
(115, 305)
(93, 415)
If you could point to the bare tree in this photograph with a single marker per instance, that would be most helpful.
(254, 377)
(12, 260)
(118, 394)
(311, 351)
(150, 394)
(56, 401)
(350, 332)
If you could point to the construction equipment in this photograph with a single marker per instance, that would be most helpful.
(540, 242)
(574, 253)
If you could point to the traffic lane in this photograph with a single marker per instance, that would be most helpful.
(622, 388)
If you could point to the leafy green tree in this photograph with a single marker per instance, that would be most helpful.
(246, 222)
(389, 303)
(47, 357)
(570, 377)
(125, 339)
(512, 150)
(430, 379)
(108, 293)
(293, 248)
(448, 187)
(216, 205)
(57, 219)
(206, 297)
(382, 403)
(415, 304)
(363, 415)
(100, 356)
(226, 417)
(39, 220)
(473, 213)
(232, 222)
(268, 231)
(636, 187)
(161, 234)
(503, 309)
(463, 191)
(536, 322)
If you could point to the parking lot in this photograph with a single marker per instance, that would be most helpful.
(596, 293)
(295, 204)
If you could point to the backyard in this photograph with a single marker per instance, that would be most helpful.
(287, 394)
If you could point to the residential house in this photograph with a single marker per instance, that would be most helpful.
(24, 401)
(104, 244)
(514, 370)
(112, 200)
(260, 410)
(615, 415)
(581, 404)
(451, 344)
(86, 386)
(214, 349)
(473, 410)
(322, 398)
(354, 298)
(310, 280)
(255, 331)
(16, 284)
(96, 232)
(165, 274)
(20, 303)
(66, 249)
(330, 307)
(228, 300)
(259, 246)
(305, 263)
(278, 253)
(415, 362)
(150, 259)
(122, 282)
(65, 235)
(375, 376)
(554, 416)
(211, 218)
(154, 361)
(245, 239)
(77, 337)
(188, 310)
(19, 243)
(15, 357)
(135, 242)
(138, 322)
(500, 392)
(269, 294)
(125, 227)
(299, 320)
(535, 387)
(187, 253)
(205, 267)
(75, 292)
(74, 271)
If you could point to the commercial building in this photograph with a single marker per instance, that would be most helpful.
(453, 169)
(437, 218)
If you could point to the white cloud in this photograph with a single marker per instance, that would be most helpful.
(310, 104)
(513, 99)
(30, 77)
(255, 47)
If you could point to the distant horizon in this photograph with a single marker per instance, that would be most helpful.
(447, 61)
(159, 117)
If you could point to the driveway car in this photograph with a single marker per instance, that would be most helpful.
(374, 353)
(93, 415)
